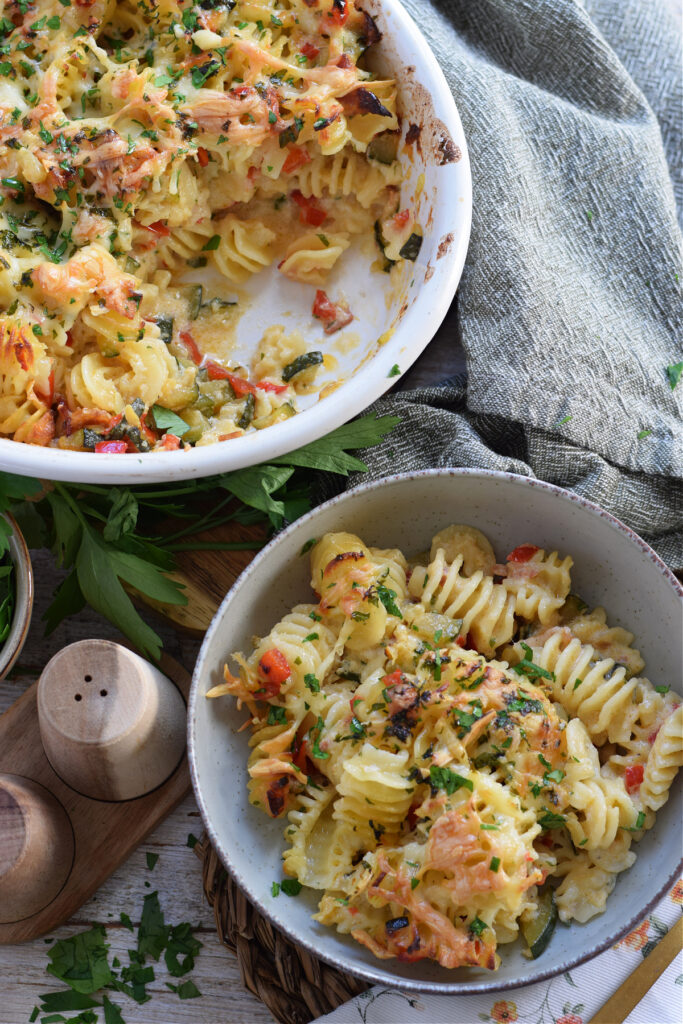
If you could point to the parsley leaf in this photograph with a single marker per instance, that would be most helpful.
(527, 668)
(445, 778)
(312, 682)
(388, 599)
(673, 373)
(81, 961)
(549, 820)
(276, 716)
(153, 932)
(165, 419)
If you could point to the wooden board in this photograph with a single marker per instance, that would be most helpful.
(105, 833)
(207, 575)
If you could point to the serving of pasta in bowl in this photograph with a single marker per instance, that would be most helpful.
(226, 227)
(435, 728)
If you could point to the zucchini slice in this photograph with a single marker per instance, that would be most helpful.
(538, 931)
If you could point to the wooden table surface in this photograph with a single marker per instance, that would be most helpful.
(177, 873)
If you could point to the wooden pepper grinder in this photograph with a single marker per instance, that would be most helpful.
(112, 725)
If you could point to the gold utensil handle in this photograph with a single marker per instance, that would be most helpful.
(629, 994)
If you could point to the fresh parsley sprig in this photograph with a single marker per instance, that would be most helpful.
(115, 539)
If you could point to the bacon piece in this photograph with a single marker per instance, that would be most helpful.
(362, 101)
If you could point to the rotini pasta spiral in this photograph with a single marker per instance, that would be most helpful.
(596, 691)
(599, 806)
(664, 760)
(485, 609)
(540, 585)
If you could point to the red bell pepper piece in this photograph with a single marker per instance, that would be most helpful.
(296, 158)
(111, 447)
(309, 211)
(169, 443)
(633, 776)
(191, 346)
(159, 228)
(523, 553)
(273, 671)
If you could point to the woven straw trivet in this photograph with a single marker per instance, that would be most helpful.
(295, 986)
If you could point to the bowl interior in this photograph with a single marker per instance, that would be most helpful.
(612, 568)
(395, 315)
(23, 600)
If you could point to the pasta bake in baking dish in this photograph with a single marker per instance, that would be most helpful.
(462, 750)
(156, 154)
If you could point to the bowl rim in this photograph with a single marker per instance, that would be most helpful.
(24, 591)
(368, 383)
(370, 973)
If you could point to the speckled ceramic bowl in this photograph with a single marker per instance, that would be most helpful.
(23, 606)
(613, 567)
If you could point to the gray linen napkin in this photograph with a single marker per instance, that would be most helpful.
(569, 308)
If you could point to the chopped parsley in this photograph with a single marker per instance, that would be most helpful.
(314, 735)
(526, 666)
(445, 778)
(640, 821)
(312, 682)
(477, 926)
(276, 716)
(549, 820)
(673, 374)
(388, 599)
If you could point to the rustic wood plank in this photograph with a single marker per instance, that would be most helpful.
(177, 877)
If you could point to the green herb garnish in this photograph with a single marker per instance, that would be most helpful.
(527, 668)
(107, 538)
(477, 926)
(673, 374)
(388, 599)
(445, 778)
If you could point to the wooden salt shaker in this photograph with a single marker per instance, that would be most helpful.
(36, 847)
(112, 725)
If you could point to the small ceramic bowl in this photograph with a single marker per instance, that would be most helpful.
(613, 567)
(23, 605)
